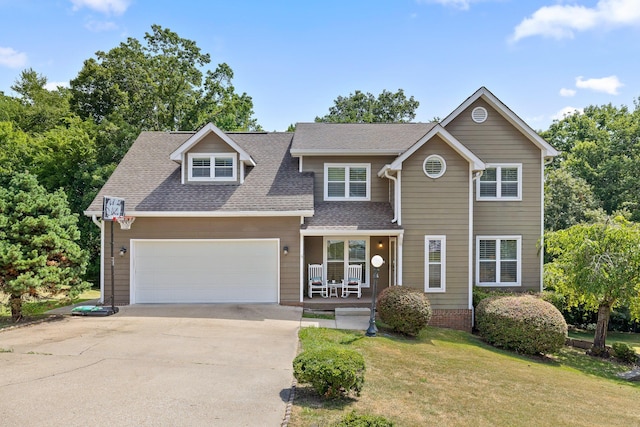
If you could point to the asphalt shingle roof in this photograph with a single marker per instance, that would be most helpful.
(353, 137)
(150, 182)
(351, 216)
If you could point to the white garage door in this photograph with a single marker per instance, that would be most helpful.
(205, 271)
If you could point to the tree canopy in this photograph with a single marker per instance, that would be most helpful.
(39, 250)
(597, 265)
(160, 85)
(602, 147)
(361, 107)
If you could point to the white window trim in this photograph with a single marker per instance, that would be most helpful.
(442, 162)
(498, 167)
(213, 156)
(518, 240)
(347, 166)
(367, 243)
(443, 264)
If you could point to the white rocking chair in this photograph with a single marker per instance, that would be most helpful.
(317, 284)
(353, 282)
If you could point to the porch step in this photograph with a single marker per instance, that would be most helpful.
(353, 311)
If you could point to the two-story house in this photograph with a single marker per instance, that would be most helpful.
(238, 217)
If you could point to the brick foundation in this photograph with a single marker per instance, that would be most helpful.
(453, 319)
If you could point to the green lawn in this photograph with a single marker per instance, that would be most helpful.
(448, 377)
(629, 338)
(36, 309)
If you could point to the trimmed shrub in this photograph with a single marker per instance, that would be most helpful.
(405, 310)
(480, 294)
(524, 323)
(354, 419)
(624, 352)
(332, 371)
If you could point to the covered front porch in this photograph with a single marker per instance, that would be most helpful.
(338, 238)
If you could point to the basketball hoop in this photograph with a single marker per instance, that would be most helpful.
(125, 222)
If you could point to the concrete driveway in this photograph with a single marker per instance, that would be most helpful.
(152, 365)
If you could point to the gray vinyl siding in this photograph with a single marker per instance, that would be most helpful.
(210, 144)
(286, 229)
(497, 141)
(437, 207)
(379, 186)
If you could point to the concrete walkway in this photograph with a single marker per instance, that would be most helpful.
(345, 318)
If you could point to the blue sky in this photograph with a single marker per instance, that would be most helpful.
(540, 57)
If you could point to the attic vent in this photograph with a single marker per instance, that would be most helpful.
(479, 114)
(434, 166)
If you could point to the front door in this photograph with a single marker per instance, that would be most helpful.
(341, 252)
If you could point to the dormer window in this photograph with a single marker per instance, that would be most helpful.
(213, 166)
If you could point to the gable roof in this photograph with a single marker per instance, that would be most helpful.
(505, 112)
(199, 135)
(318, 139)
(150, 181)
(438, 130)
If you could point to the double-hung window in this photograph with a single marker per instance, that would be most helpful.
(500, 182)
(347, 181)
(435, 263)
(498, 260)
(212, 167)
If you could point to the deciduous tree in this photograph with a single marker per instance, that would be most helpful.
(597, 265)
(160, 85)
(361, 107)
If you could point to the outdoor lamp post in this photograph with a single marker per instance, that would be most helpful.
(376, 262)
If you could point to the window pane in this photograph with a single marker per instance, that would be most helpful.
(509, 189)
(435, 278)
(358, 189)
(201, 162)
(489, 175)
(335, 250)
(335, 189)
(201, 172)
(224, 161)
(487, 249)
(487, 272)
(335, 174)
(435, 250)
(508, 250)
(508, 271)
(509, 174)
(358, 174)
(357, 251)
(488, 189)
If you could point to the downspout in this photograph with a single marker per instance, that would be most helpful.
(395, 194)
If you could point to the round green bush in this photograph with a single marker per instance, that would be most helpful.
(354, 419)
(524, 324)
(406, 310)
(624, 352)
(332, 371)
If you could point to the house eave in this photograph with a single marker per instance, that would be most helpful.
(208, 214)
(348, 231)
(332, 152)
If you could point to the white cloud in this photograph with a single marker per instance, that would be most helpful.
(566, 112)
(99, 26)
(12, 58)
(567, 92)
(562, 21)
(108, 7)
(54, 85)
(608, 85)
